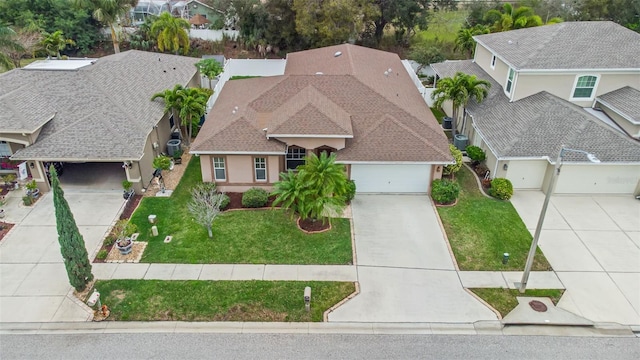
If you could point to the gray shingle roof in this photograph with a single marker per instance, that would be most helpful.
(102, 112)
(538, 125)
(568, 45)
(625, 101)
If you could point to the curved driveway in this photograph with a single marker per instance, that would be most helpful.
(405, 270)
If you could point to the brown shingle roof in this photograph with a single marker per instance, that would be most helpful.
(356, 94)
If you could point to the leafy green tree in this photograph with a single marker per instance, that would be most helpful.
(330, 22)
(451, 169)
(209, 68)
(281, 26)
(464, 39)
(109, 12)
(317, 192)
(425, 54)
(8, 43)
(510, 18)
(171, 33)
(29, 40)
(72, 247)
(55, 42)
(404, 15)
(459, 90)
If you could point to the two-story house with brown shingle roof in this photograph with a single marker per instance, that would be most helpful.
(574, 84)
(357, 102)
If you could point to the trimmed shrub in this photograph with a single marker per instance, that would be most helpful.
(475, 153)
(444, 191)
(109, 240)
(255, 198)
(351, 191)
(501, 188)
(453, 168)
(102, 254)
(225, 201)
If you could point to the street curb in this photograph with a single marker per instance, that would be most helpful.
(478, 328)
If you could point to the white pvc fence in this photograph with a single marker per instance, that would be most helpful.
(246, 67)
(212, 35)
(424, 91)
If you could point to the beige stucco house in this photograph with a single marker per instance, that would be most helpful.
(574, 84)
(357, 102)
(94, 111)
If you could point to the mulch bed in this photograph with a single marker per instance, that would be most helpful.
(132, 204)
(312, 225)
(4, 228)
(236, 201)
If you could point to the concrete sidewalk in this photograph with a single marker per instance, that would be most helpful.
(108, 271)
(507, 279)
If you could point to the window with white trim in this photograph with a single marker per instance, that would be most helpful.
(584, 87)
(5, 149)
(509, 84)
(219, 172)
(260, 165)
(295, 157)
(493, 61)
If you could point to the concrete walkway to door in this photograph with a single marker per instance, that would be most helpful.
(405, 270)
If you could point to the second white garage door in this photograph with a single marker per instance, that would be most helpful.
(413, 178)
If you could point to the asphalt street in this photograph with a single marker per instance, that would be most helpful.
(295, 346)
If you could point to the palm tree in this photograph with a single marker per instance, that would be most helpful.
(8, 43)
(459, 90)
(171, 33)
(465, 41)
(109, 12)
(317, 191)
(171, 99)
(55, 42)
(192, 105)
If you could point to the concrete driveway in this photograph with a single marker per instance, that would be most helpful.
(33, 281)
(593, 244)
(405, 270)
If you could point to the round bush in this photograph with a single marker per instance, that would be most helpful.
(255, 198)
(225, 201)
(501, 188)
(454, 168)
(475, 153)
(351, 190)
(444, 191)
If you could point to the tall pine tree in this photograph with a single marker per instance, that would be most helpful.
(72, 247)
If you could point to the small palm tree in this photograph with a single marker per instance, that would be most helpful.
(109, 13)
(459, 90)
(55, 42)
(192, 105)
(8, 43)
(171, 99)
(289, 191)
(171, 33)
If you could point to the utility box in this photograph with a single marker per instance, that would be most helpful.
(460, 141)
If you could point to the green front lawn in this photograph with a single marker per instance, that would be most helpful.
(153, 300)
(239, 237)
(481, 229)
(504, 300)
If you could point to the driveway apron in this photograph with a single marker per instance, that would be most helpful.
(405, 270)
(33, 280)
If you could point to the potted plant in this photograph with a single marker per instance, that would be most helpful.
(122, 231)
(32, 189)
(177, 156)
(162, 163)
(128, 191)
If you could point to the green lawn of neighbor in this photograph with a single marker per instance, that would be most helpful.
(504, 300)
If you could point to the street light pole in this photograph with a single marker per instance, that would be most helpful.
(522, 285)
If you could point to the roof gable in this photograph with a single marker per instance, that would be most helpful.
(625, 101)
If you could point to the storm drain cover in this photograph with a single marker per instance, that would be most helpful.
(538, 306)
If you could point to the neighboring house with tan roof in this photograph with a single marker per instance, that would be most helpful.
(574, 84)
(91, 111)
(357, 102)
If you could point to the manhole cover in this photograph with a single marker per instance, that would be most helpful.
(538, 306)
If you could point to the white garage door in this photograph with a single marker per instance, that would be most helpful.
(527, 174)
(391, 178)
(598, 179)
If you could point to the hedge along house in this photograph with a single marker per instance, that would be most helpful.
(92, 111)
(574, 84)
(354, 101)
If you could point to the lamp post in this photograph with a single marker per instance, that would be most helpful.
(522, 285)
